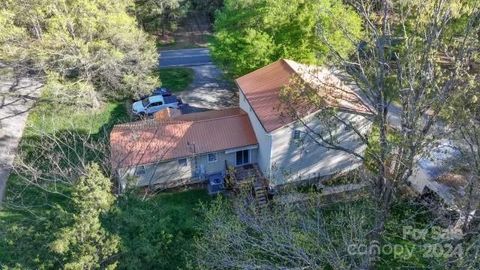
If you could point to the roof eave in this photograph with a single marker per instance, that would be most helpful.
(180, 157)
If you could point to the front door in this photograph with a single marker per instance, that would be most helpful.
(243, 157)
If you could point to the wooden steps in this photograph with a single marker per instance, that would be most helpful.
(250, 177)
(260, 192)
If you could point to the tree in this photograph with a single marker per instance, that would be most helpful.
(399, 59)
(463, 117)
(307, 234)
(162, 15)
(89, 49)
(9, 33)
(251, 34)
(85, 244)
(209, 7)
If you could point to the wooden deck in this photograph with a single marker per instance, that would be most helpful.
(249, 177)
(247, 172)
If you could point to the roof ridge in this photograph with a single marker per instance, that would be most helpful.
(149, 123)
(281, 60)
(152, 122)
(287, 62)
(220, 117)
(297, 73)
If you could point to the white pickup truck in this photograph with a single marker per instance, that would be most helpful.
(153, 104)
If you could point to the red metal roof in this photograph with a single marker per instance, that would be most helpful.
(151, 141)
(262, 89)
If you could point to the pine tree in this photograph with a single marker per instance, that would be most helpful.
(85, 244)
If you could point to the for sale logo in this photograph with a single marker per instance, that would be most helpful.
(437, 245)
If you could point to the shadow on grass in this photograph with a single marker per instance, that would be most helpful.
(157, 233)
(33, 213)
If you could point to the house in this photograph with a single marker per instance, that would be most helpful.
(279, 157)
(173, 150)
(182, 149)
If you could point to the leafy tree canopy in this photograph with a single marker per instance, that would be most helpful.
(93, 45)
(155, 15)
(251, 34)
(207, 6)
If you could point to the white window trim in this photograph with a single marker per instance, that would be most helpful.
(212, 161)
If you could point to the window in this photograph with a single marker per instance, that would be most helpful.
(296, 135)
(159, 103)
(212, 157)
(145, 102)
(140, 170)
(242, 157)
(183, 162)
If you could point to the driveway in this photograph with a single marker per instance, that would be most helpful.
(209, 89)
(16, 99)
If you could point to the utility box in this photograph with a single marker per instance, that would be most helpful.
(216, 183)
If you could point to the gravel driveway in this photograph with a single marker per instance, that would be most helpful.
(208, 91)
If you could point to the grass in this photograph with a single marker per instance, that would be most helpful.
(157, 233)
(176, 79)
(27, 225)
(51, 118)
(410, 214)
(179, 43)
(31, 216)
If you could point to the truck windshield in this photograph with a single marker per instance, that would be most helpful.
(145, 102)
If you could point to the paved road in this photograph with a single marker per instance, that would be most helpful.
(185, 57)
(16, 99)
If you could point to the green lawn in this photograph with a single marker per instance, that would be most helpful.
(30, 215)
(156, 232)
(52, 118)
(176, 79)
